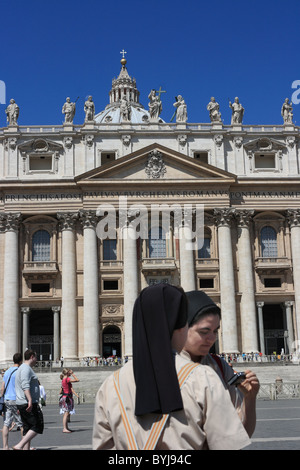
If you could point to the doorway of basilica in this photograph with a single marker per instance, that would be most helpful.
(40, 337)
(274, 328)
(111, 341)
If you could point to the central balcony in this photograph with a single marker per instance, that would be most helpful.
(158, 265)
(274, 264)
(40, 269)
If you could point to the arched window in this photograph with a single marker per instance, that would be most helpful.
(41, 246)
(110, 249)
(157, 243)
(204, 251)
(268, 240)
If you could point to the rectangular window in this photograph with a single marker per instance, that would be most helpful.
(201, 156)
(111, 285)
(272, 282)
(207, 283)
(107, 157)
(40, 163)
(45, 287)
(265, 161)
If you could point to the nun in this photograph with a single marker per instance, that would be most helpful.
(204, 323)
(159, 400)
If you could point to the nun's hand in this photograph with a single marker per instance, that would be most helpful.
(250, 386)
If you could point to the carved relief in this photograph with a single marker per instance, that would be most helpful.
(155, 166)
(218, 140)
(112, 310)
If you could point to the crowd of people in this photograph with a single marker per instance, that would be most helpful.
(173, 394)
(112, 360)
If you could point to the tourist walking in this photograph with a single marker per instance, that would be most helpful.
(11, 414)
(27, 400)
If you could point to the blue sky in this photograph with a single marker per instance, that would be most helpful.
(54, 49)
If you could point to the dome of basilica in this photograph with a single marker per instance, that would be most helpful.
(124, 103)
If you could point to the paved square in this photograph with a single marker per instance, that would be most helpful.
(277, 428)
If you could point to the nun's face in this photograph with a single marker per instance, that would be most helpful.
(202, 335)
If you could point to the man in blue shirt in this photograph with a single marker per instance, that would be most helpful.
(11, 413)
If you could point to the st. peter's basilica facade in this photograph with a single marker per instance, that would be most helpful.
(65, 290)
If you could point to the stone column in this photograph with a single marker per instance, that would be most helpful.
(56, 335)
(289, 325)
(186, 253)
(69, 326)
(25, 311)
(223, 218)
(91, 289)
(246, 283)
(294, 222)
(261, 327)
(11, 321)
(130, 282)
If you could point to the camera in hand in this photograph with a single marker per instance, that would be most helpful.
(237, 378)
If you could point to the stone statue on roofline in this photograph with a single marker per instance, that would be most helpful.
(12, 113)
(89, 109)
(213, 108)
(69, 110)
(287, 112)
(237, 111)
(181, 109)
(155, 104)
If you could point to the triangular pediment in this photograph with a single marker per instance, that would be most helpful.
(156, 163)
(264, 144)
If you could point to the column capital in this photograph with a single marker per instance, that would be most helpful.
(244, 217)
(67, 220)
(10, 221)
(293, 217)
(224, 216)
(288, 303)
(88, 219)
(55, 309)
(187, 218)
(25, 310)
(260, 304)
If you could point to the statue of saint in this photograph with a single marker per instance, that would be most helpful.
(237, 112)
(125, 109)
(155, 105)
(69, 110)
(287, 112)
(89, 109)
(213, 108)
(12, 113)
(181, 109)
